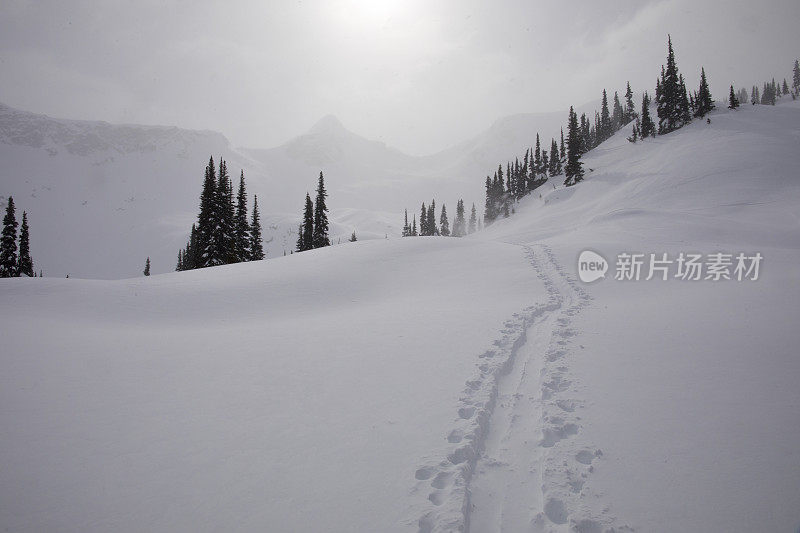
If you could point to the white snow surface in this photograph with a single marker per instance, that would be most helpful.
(434, 384)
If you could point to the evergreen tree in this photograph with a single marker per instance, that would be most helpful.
(754, 97)
(444, 225)
(648, 128)
(256, 246)
(796, 77)
(146, 271)
(473, 220)
(431, 218)
(353, 237)
(459, 223)
(742, 95)
(25, 263)
(179, 265)
(537, 159)
(733, 102)
(207, 219)
(630, 109)
(191, 257)
(223, 237)
(305, 233)
(673, 103)
(617, 113)
(704, 101)
(423, 221)
(555, 163)
(785, 87)
(242, 225)
(414, 227)
(562, 151)
(574, 168)
(406, 227)
(604, 131)
(321, 216)
(8, 242)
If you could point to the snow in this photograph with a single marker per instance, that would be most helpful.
(433, 384)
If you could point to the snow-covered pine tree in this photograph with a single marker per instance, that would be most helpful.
(785, 87)
(179, 264)
(673, 109)
(256, 246)
(704, 103)
(754, 97)
(146, 270)
(25, 263)
(630, 109)
(796, 77)
(604, 131)
(241, 224)
(353, 237)
(617, 114)
(473, 220)
(684, 109)
(305, 233)
(414, 227)
(321, 216)
(207, 219)
(406, 228)
(555, 163)
(444, 224)
(733, 102)
(8, 242)
(537, 159)
(574, 168)
(459, 223)
(423, 220)
(648, 127)
(431, 218)
(562, 150)
(223, 237)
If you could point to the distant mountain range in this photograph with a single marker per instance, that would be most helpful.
(102, 197)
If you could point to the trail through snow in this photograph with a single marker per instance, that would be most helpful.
(518, 462)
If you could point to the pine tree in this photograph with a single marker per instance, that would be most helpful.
(704, 101)
(574, 169)
(207, 219)
(146, 271)
(630, 109)
(414, 227)
(431, 218)
(604, 132)
(555, 163)
(179, 265)
(25, 263)
(223, 237)
(648, 127)
(733, 102)
(406, 228)
(562, 150)
(742, 96)
(353, 237)
(537, 159)
(242, 225)
(8, 242)
(459, 223)
(423, 221)
(321, 216)
(754, 97)
(473, 220)
(796, 77)
(305, 233)
(444, 225)
(673, 103)
(785, 87)
(617, 113)
(256, 246)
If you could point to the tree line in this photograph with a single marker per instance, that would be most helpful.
(15, 261)
(429, 227)
(223, 234)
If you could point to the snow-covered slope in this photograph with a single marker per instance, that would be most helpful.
(434, 384)
(144, 182)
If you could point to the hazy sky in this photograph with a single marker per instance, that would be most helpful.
(420, 75)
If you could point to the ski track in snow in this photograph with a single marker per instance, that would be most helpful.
(517, 461)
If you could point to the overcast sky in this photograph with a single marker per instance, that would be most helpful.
(419, 75)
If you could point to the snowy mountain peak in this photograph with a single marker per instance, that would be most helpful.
(327, 124)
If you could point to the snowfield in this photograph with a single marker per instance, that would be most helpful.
(434, 384)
